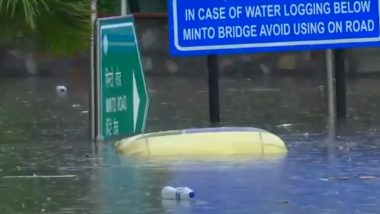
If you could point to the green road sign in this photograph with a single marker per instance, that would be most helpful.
(122, 95)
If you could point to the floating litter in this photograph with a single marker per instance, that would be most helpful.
(61, 90)
(367, 177)
(285, 125)
(177, 193)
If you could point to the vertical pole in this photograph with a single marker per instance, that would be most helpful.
(330, 68)
(340, 88)
(92, 84)
(331, 99)
(213, 87)
(124, 7)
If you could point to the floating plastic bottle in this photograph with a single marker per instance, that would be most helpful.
(177, 193)
(61, 90)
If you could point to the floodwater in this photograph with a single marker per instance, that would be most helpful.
(327, 170)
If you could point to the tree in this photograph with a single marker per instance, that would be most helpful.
(59, 27)
(54, 27)
(108, 8)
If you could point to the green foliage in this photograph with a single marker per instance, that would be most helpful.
(108, 6)
(58, 27)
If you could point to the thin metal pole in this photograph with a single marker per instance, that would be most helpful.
(330, 68)
(213, 85)
(330, 86)
(124, 7)
(92, 84)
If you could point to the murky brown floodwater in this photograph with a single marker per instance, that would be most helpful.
(43, 134)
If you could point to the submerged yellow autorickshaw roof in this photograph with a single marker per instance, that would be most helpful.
(203, 141)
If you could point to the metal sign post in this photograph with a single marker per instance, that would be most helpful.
(331, 100)
(330, 68)
(124, 7)
(93, 71)
(340, 84)
(213, 84)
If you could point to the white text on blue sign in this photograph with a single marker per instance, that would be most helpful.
(237, 24)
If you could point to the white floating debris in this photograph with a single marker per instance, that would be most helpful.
(367, 177)
(61, 90)
(75, 105)
(84, 112)
(285, 125)
(179, 193)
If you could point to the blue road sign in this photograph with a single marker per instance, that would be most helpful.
(242, 26)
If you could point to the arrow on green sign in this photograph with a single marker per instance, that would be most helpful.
(136, 101)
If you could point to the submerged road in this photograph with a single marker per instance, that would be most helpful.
(48, 165)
